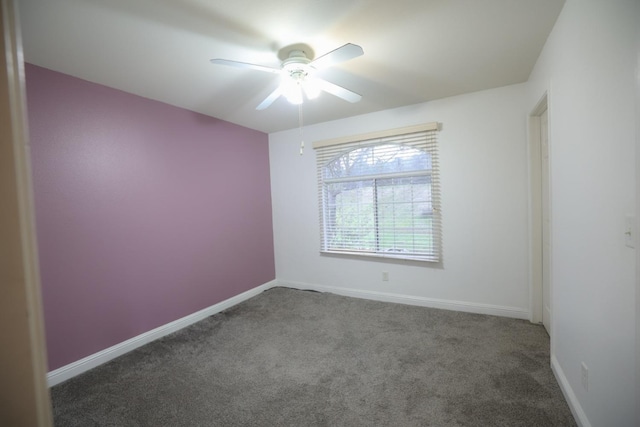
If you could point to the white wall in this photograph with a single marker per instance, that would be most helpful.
(484, 204)
(588, 68)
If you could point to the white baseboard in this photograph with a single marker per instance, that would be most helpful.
(569, 395)
(76, 368)
(495, 310)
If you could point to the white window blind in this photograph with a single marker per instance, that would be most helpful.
(379, 194)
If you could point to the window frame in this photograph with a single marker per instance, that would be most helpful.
(422, 137)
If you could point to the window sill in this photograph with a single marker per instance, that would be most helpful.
(384, 256)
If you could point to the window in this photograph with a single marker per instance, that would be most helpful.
(379, 194)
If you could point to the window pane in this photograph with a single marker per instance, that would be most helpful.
(350, 216)
(378, 160)
(405, 215)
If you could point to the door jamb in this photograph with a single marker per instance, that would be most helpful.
(535, 215)
(23, 369)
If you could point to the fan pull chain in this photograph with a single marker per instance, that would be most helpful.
(301, 131)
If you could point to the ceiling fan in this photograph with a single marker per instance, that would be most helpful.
(299, 75)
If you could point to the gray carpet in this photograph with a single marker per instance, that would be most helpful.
(294, 358)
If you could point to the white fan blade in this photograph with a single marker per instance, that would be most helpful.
(341, 54)
(339, 91)
(269, 99)
(245, 65)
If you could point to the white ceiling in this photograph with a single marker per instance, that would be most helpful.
(414, 50)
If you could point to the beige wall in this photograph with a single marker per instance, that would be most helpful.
(24, 397)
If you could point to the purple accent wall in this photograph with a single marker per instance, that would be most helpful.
(145, 212)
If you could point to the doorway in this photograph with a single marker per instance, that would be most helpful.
(539, 152)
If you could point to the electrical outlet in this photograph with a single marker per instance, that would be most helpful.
(584, 370)
(385, 276)
(629, 231)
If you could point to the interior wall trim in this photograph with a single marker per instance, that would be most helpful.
(469, 307)
(76, 368)
(576, 409)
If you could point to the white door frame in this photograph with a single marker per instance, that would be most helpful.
(535, 214)
(637, 237)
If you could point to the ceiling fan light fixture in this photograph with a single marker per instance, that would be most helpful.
(295, 97)
(296, 79)
(311, 88)
(292, 90)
